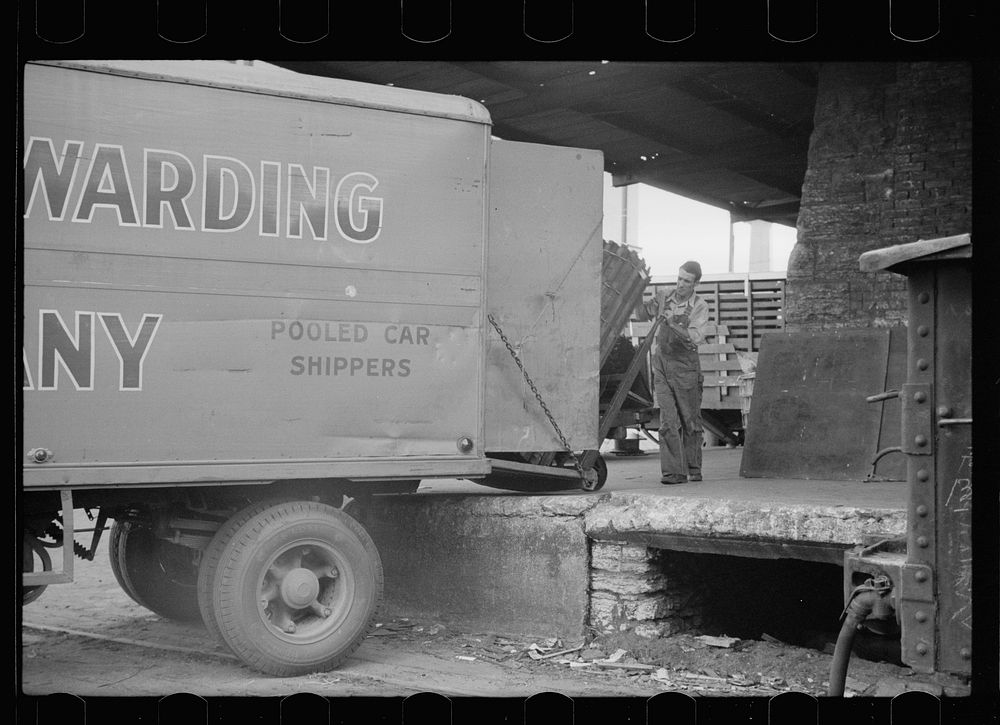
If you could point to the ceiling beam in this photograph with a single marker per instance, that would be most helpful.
(731, 156)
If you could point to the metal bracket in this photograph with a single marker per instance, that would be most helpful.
(883, 558)
(918, 429)
(66, 575)
(918, 617)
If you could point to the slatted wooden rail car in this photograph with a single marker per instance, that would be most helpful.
(749, 306)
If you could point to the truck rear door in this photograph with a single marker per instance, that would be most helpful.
(544, 290)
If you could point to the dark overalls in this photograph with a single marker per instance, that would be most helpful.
(677, 386)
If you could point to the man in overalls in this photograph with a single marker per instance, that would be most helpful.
(677, 378)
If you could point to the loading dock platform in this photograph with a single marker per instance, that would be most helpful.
(481, 559)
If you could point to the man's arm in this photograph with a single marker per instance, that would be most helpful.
(699, 323)
(647, 310)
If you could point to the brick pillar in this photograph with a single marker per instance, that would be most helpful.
(633, 589)
(890, 162)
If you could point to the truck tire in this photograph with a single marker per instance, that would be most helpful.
(156, 574)
(210, 563)
(296, 587)
(30, 550)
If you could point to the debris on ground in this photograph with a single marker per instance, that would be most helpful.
(852, 685)
(396, 626)
(535, 656)
(623, 665)
(724, 642)
(324, 678)
(698, 664)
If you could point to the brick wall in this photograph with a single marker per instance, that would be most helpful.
(890, 162)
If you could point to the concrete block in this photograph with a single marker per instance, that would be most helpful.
(763, 521)
(510, 565)
(646, 616)
(645, 607)
(623, 557)
(663, 628)
(605, 608)
(626, 584)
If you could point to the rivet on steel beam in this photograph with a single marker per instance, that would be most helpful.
(923, 331)
(966, 653)
(921, 510)
(920, 576)
(920, 396)
(924, 297)
(920, 440)
(921, 649)
(944, 411)
(922, 542)
(922, 475)
(920, 616)
(921, 364)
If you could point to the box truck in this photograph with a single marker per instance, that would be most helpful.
(254, 298)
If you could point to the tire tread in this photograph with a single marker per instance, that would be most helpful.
(232, 543)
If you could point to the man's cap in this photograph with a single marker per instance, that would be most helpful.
(692, 267)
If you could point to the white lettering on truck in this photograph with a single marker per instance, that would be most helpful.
(309, 200)
(42, 168)
(73, 353)
(174, 196)
(222, 211)
(230, 194)
(108, 185)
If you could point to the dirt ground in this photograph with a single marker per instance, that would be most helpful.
(88, 638)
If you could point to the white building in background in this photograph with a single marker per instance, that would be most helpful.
(668, 229)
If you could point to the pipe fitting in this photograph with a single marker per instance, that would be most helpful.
(871, 597)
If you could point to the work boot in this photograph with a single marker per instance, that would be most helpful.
(696, 476)
(672, 478)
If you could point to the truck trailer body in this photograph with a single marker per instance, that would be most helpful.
(251, 297)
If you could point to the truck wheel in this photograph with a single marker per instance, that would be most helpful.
(296, 587)
(601, 468)
(31, 549)
(156, 574)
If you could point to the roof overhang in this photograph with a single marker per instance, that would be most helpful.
(731, 134)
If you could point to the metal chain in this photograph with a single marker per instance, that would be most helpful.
(55, 531)
(538, 397)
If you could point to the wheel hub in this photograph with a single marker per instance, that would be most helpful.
(299, 588)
